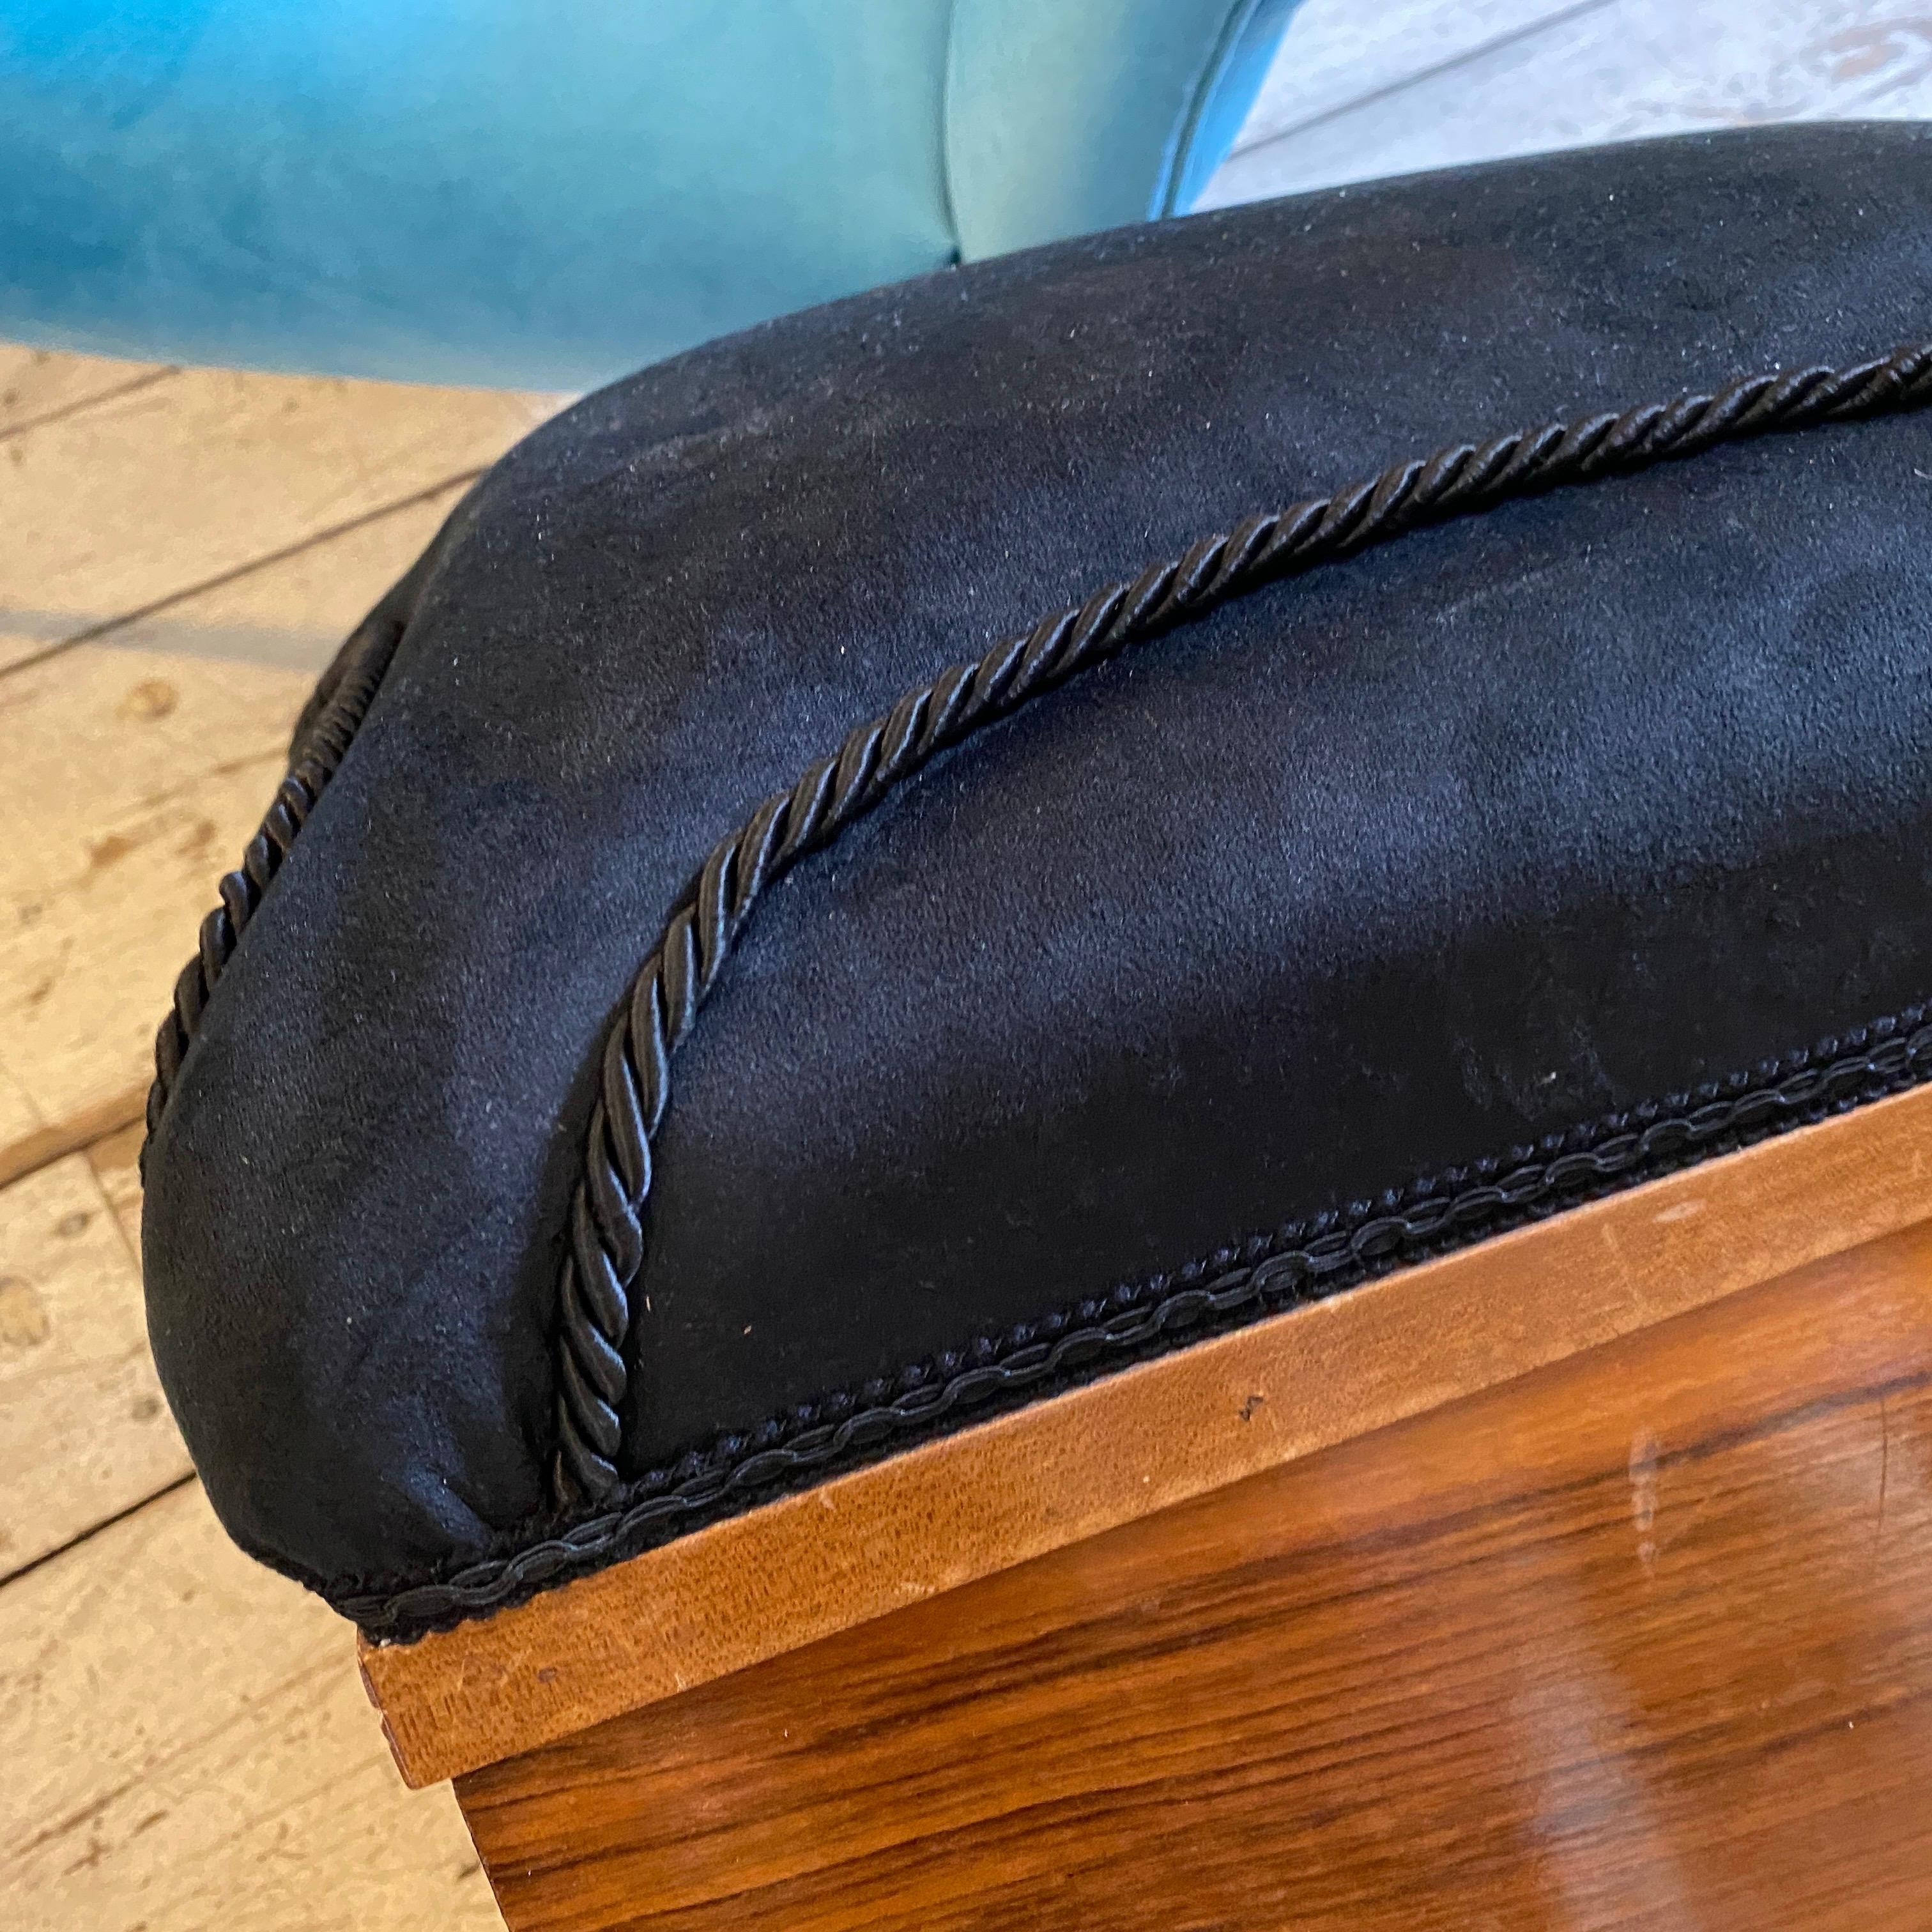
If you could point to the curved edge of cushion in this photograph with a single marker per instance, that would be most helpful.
(1060, 121)
(264, 1384)
(361, 1191)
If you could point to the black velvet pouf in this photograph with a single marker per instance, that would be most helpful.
(1428, 860)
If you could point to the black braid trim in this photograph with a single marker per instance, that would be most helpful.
(1304, 1262)
(606, 1247)
(328, 723)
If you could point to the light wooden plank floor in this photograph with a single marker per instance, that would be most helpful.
(184, 1740)
(185, 1734)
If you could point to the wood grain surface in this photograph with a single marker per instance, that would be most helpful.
(216, 535)
(183, 1746)
(971, 1504)
(116, 1162)
(84, 1431)
(100, 905)
(1344, 55)
(36, 384)
(184, 1737)
(1638, 1641)
(292, 612)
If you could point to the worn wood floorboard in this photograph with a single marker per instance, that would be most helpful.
(153, 491)
(37, 385)
(186, 1744)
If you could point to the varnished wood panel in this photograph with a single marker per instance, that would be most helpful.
(1641, 1640)
(1059, 1471)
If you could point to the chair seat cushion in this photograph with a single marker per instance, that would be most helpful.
(1570, 838)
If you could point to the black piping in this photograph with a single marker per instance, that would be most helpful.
(606, 1249)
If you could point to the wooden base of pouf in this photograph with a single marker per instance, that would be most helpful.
(1640, 1637)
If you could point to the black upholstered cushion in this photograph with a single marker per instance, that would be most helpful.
(1505, 838)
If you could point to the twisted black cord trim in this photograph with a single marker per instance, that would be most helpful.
(1266, 1275)
(607, 1226)
(334, 715)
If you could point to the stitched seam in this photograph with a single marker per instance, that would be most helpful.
(605, 1249)
(1298, 1265)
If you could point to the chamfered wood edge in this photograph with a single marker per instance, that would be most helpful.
(1075, 1465)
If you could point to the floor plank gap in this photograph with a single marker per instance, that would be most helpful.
(10, 1577)
(146, 380)
(105, 631)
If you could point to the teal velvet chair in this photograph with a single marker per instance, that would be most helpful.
(511, 191)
